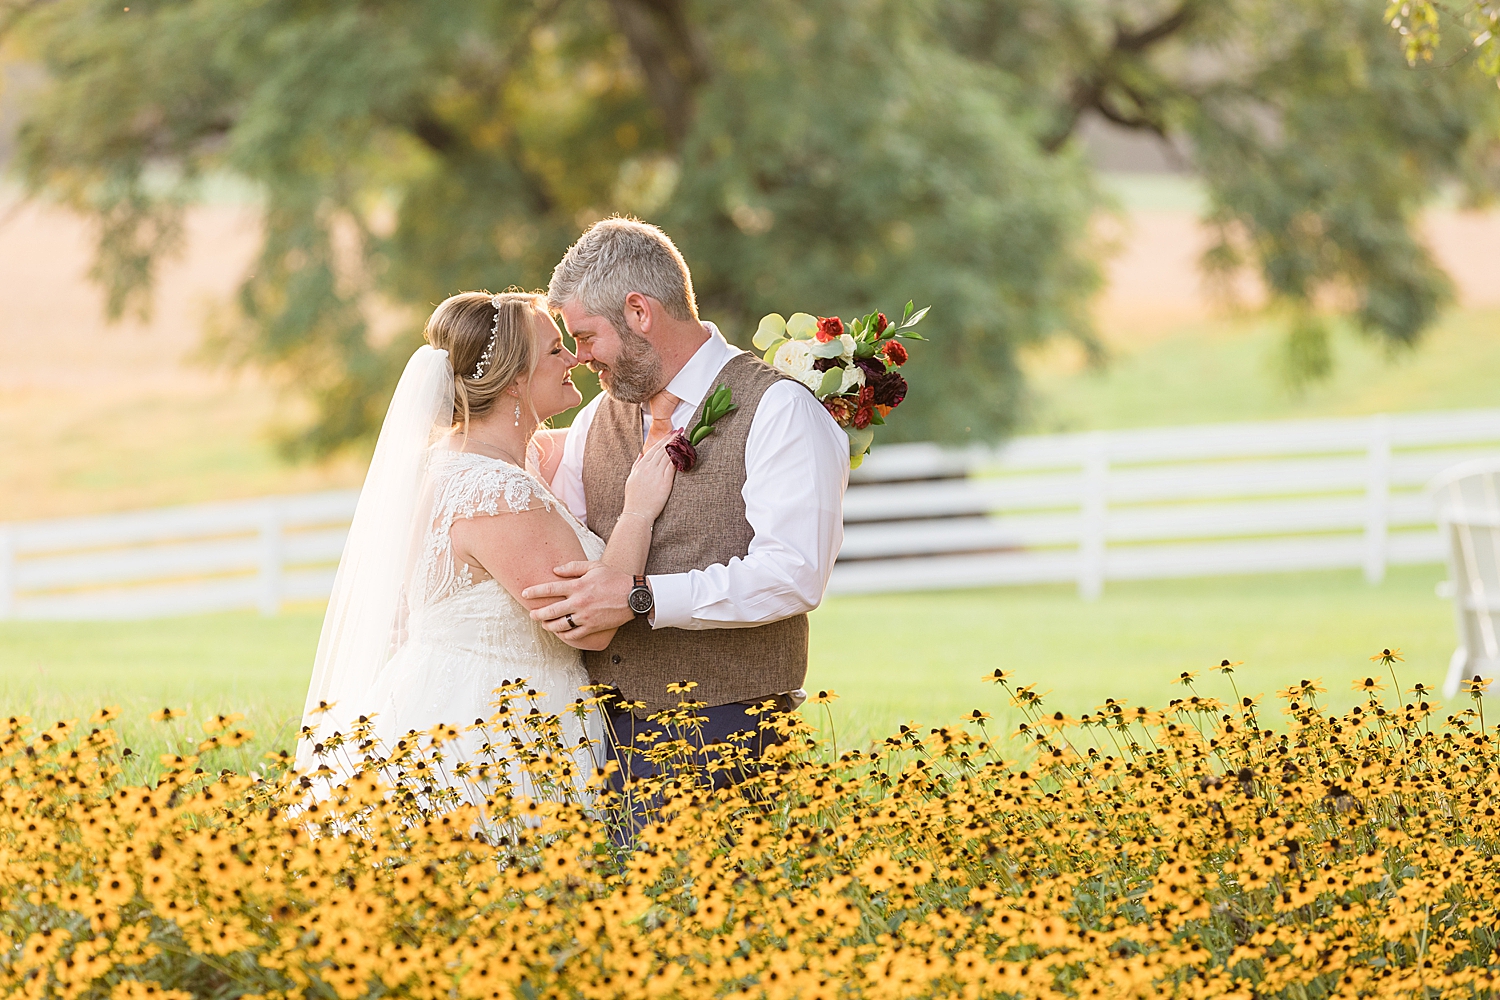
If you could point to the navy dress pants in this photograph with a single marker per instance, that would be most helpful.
(723, 721)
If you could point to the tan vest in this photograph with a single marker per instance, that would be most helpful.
(703, 524)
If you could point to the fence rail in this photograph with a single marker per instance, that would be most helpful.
(1079, 508)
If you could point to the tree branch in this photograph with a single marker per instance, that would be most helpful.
(672, 57)
(1092, 92)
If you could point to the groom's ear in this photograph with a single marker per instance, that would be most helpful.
(640, 312)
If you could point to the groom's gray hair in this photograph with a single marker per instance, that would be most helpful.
(617, 256)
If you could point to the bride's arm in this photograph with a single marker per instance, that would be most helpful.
(521, 549)
(548, 443)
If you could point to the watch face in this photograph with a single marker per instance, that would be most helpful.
(640, 600)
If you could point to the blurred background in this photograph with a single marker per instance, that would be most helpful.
(222, 226)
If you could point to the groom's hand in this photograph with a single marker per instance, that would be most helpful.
(595, 595)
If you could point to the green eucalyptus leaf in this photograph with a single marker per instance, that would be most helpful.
(859, 440)
(832, 379)
(828, 349)
(770, 356)
(802, 326)
(772, 329)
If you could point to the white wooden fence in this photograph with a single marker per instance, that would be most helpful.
(1168, 502)
(1082, 508)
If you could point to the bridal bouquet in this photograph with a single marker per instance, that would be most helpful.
(851, 369)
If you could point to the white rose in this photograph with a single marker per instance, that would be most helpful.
(793, 358)
(854, 376)
(848, 345)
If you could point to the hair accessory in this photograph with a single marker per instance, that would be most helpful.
(489, 348)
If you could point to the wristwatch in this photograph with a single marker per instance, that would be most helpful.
(640, 599)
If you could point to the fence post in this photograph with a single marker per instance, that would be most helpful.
(1378, 498)
(271, 556)
(7, 573)
(1093, 511)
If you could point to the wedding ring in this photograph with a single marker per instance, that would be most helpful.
(571, 623)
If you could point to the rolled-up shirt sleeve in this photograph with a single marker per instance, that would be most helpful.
(796, 470)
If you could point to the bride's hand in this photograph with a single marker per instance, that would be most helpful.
(650, 482)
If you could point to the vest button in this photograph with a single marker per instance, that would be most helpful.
(615, 658)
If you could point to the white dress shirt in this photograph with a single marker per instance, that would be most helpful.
(796, 470)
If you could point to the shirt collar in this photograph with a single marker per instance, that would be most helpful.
(696, 378)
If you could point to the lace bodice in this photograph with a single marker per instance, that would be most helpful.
(466, 485)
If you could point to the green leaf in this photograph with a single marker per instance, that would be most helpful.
(876, 419)
(802, 326)
(698, 435)
(910, 304)
(828, 349)
(914, 320)
(859, 440)
(865, 349)
(772, 329)
(770, 356)
(911, 336)
(832, 379)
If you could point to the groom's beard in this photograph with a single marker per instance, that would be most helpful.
(635, 375)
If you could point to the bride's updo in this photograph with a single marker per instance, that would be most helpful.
(462, 324)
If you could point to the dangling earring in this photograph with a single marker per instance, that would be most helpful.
(518, 414)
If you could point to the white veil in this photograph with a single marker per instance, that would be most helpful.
(367, 609)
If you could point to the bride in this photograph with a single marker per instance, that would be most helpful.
(455, 520)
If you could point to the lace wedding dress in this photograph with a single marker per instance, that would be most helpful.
(464, 639)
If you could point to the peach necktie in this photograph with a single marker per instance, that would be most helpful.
(661, 406)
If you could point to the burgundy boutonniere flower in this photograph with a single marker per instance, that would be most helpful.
(681, 452)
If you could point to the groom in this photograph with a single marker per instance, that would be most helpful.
(744, 547)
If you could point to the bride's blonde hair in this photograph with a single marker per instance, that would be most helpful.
(462, 325)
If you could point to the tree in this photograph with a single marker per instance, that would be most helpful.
(831, 156)
(826, 156)
(1317, 144)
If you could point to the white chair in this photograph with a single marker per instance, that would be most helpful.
(1467, 497)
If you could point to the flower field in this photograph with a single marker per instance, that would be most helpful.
(1201, 849)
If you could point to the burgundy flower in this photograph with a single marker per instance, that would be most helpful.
(894, 352)
(880, 324)
(866, 411)
(823, 364)
(681, 452)
(888, 390)
(873, 368)
(829, 328)
(841, 408)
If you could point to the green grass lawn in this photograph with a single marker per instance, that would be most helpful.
(1227, 370)
(891, 659)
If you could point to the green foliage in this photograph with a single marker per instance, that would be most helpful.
(809, 154)
(799, 152)
(1420, 25)
(1318, 145)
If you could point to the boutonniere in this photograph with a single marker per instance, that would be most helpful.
(682, 448)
